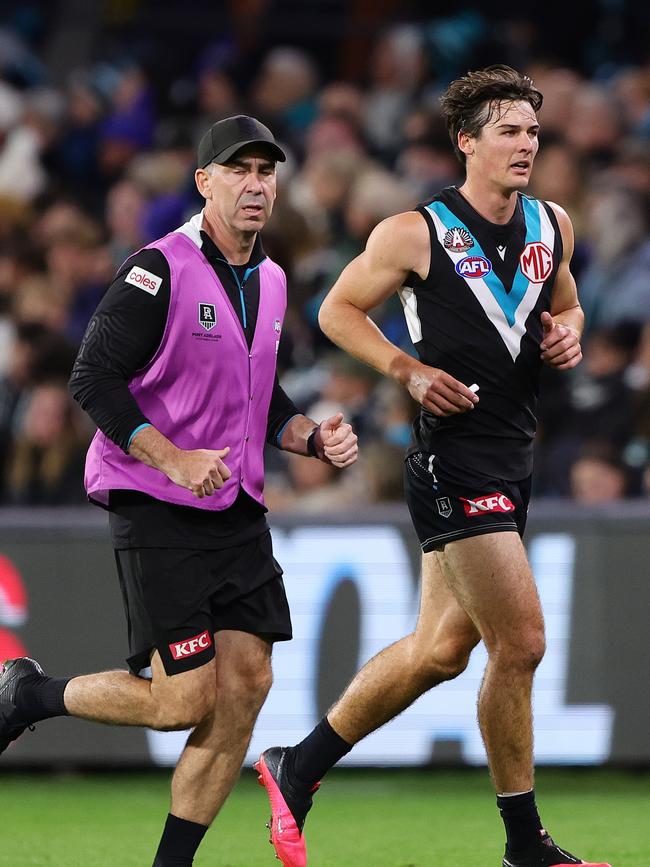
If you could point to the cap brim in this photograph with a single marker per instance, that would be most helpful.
(228, 153)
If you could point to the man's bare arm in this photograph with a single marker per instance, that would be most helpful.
(398, 246)
(563, 326)
(201, 471)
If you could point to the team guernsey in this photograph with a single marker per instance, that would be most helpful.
(477, 317)
(204, 387)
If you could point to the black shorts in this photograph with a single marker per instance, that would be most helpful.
(447, 503)
(176, 599)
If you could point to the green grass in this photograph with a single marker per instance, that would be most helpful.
(362, 819)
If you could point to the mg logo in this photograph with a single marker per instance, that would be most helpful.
(536, 262)
(473, 266)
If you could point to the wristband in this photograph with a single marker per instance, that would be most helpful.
(311, 444)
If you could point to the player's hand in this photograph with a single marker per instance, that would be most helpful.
(560, 344)
(439, 392)
(201, 471)
(338, 442)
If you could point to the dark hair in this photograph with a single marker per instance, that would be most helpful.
(469, 102)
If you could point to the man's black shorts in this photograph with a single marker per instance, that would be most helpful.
(448, 503)
(176, 599)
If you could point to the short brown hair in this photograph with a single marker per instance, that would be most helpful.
(469, 103)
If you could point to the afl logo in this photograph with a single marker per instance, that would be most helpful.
(536, 262)
(473, 266)
(277, 326)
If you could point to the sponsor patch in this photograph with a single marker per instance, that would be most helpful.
(191, 646)
(458, 240)
(536, 262)
(143, 280)
(444, 506)
(207, 316)
(473, 267)
(496, 502)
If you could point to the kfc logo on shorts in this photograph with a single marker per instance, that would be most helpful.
(181, 649)
(536, 262)
(143, 280)
(496, 502)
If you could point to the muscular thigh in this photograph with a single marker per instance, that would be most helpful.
(194, 688)
(242, 656)
(441, 616)
(492, 581)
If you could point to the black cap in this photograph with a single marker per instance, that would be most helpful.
(225, 137)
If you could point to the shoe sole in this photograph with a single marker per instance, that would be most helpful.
(286, 839)
(583, 863)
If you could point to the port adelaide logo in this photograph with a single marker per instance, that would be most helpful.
(458, 240)
(207, 316)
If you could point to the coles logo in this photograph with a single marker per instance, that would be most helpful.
(181, 649)
(143, 280)
(473, 266)
(536, 262)
(496, 502)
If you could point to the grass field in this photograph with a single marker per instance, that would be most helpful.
(362, 819)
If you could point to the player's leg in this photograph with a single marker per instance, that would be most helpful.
(437, 650)
(166, 702)
(213, 756)
(211, 760)
(28, 696)
(166, 618)
(493, 582)
(248, 616)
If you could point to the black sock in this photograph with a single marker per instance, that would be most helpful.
(40, 697)
(520, 816)
(179, 842)
(317, 753)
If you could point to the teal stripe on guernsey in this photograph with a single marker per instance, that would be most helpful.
(507, 301)
(137, 430)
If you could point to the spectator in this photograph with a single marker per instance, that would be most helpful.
(599, 476)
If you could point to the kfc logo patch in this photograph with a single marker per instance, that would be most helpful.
(143, 280)
(192, 646)
(496, 502)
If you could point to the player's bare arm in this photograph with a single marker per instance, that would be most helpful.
(334, 440)
(396, 247)
(201, 471)
(563, 325)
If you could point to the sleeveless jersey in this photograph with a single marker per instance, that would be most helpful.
(477, 317)
(204, 388)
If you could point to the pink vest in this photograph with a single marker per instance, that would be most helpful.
(203, 389)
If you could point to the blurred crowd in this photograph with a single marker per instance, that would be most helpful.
(99, 161)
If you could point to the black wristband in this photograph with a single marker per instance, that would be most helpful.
(311, 444)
